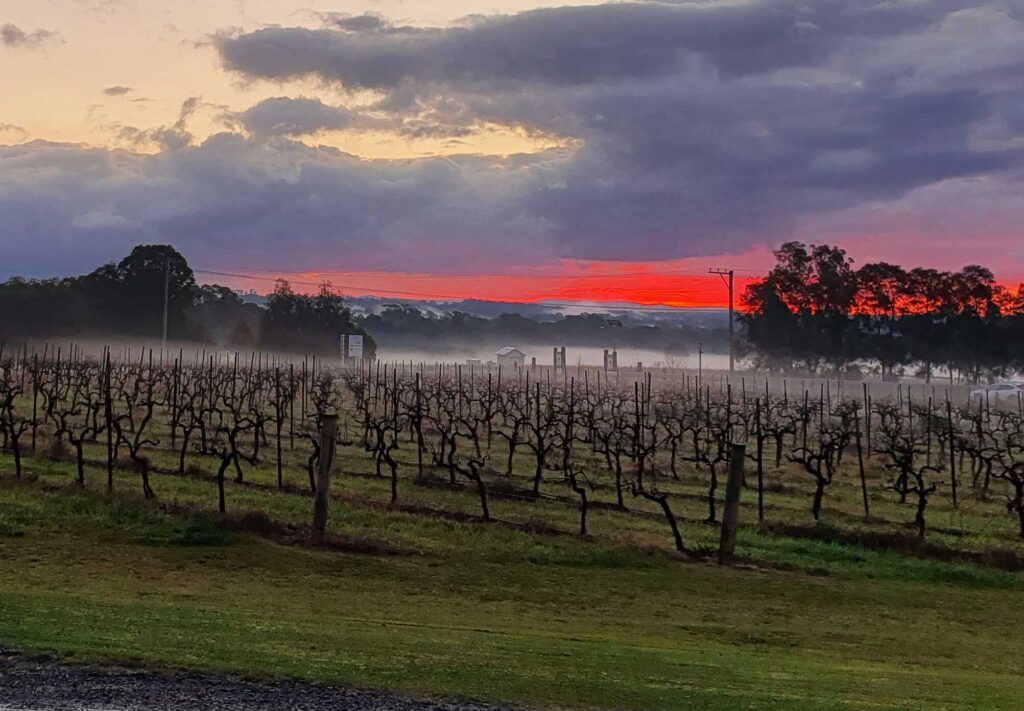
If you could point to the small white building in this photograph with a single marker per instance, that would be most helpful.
(510, 357)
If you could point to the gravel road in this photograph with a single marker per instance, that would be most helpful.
(35, 684)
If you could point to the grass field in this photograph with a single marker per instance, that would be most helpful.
(431, 601)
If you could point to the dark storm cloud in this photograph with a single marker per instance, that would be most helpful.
(704, 126)
(258, 203)
(284, 116)
(367, 22)
(13, 36)
(117, 90)
(691, 129)
(575, 45)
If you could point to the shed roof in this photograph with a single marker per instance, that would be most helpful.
(510, 351)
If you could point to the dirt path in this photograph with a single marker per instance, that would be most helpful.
(34, 684)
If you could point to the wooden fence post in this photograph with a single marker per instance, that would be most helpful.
(730, 516)
(328, 435)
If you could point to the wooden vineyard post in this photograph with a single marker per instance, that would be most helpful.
(804, 417)
(419, 427)
(303, 410)
(279, 417)
(952, 450)
(35, 397)
(328, 435)
(730, 516)
(291, 406)
(760, 461)
(867, 417)
(860, 458)
(174, 401)
(108, 415)
(928, 435)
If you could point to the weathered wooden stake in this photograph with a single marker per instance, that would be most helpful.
(760, 461)
(860, 458)
(418, 425)
(730, 516)
(952, 449)
(279, 421)
(108, 414)
(328, 435)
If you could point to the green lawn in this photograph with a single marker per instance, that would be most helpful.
(488, 610)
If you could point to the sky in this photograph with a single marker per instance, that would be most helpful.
(510, 149)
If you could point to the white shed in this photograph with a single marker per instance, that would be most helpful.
(510, 357)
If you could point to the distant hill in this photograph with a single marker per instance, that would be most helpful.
(628, 313)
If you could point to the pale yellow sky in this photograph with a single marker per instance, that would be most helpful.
(157, 48)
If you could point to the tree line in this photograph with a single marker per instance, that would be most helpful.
(126, 299)
(816, 312)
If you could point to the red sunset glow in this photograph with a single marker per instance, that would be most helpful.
(642, 284)
(682, 283)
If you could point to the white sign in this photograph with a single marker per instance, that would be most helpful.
(355, 346)
(611, 360)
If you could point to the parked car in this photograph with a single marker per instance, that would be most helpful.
(998, 391)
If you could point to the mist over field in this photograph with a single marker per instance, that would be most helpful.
(575, 355)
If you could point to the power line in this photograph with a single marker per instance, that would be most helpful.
(694, 272)
(318, 283)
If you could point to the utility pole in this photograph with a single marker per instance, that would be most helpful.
(167, 289)
(700, 364)
(729, 282)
